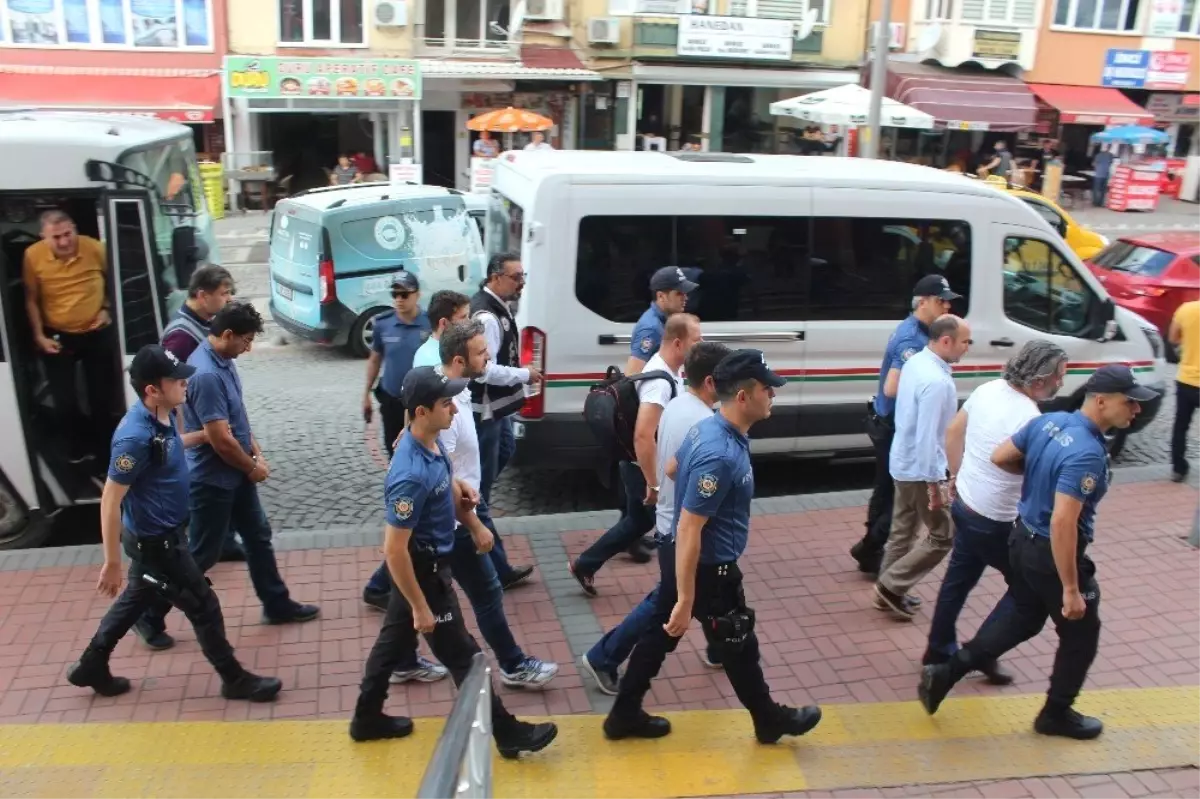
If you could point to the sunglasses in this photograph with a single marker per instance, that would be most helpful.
(402, 295)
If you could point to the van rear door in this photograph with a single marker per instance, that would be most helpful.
(295, 266)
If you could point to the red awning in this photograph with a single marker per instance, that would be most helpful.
(544, 56)
(962, 100)
(175, 95)
(1091, 105)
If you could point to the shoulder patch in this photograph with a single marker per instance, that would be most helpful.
(124, 463)
(707, 485)
(908, 353)
(1088, 484)
(403, 508)
(646, 344)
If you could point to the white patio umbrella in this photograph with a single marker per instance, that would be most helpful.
(848, 105)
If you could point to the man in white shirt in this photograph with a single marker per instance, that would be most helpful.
(986, 496)
(640, 479)
(925, 405)
(538, 142)
(681, 415)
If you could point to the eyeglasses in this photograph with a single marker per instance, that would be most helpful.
(402, 295)
(517, 276)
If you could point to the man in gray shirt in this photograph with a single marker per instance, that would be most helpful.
(345, 172)
(678, 418)
(1001, 163)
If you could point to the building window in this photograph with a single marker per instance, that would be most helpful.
(997, 12)
(1097, 15)
(780, 9)
(467, 24)
(108, 24)
(1189, 20)
(325, 23)
(939, 9)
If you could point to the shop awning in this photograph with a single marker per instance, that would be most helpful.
(962, 100)
(1091, 105)
(434, 69)
(172, 94)
(687, 75)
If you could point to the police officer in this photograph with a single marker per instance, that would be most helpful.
(1065, 463)
(931, 298)
(398, 335)
(144, 509)
(670, 287)
(424, 504)
(714, 484)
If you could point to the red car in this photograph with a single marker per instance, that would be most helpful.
(1151, 274)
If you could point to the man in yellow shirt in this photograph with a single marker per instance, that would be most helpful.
(65, 297)
(1185, 335)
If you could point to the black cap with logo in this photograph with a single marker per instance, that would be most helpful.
(934, 286)
(425, 385)
(153, 363)
(1118, 379)
(671, 278)
(405, 281)
(742, 365)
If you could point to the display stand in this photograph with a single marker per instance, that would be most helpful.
(1133, 188)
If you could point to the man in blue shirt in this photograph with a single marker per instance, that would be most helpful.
(424, 504)
(931, 298)
(143, 509)
(227, 468)
(398, 335)
(714, 484)
(670, 287)
(1065, 463)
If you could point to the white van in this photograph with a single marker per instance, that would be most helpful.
(811, 260)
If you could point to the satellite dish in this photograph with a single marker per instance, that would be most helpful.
(929, 38)
(807, 23)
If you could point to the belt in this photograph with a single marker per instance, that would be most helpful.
(145, 543)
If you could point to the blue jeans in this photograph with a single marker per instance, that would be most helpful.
(637, 521)
(497, 443)
(214, 511)
(613, 649)
(979, 542)
(1099, 190)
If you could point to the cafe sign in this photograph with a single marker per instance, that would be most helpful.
(272, 78)
(735, 37)
(997, 45)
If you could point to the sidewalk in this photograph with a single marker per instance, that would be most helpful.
(822, 642)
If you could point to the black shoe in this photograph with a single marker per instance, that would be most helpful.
(378, 728)
(376, 599)
(158, 640)
(936, 682)
(252, 688)
(92, 672)
(642, 726)
(516, 576)
(1068, 723)
(294, 614)
(996, 675)
(586, 581)
(638, 552)
(525, 737)
(233, 554)
(868, 562)
(786, 721)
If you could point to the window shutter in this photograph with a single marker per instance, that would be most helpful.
(737, 8)
(972, 10)
(1024, 12)
(997, 10)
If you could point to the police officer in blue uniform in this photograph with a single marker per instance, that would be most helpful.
(714, 485)
(1065, 463)
(144, 509)
(670, 287)
(424, 504)
(398, 334)
(931, 298)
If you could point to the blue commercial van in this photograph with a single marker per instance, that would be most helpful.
(334, 251)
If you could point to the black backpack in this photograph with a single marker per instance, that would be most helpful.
(611, 410)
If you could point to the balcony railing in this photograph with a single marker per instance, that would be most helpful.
(479, 47)
(462, 760)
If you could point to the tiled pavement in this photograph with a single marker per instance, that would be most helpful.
(821, 640)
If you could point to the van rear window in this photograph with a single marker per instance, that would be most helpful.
(294, 239)
(428, 236)
(758, 269)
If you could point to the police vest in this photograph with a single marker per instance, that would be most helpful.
(502, 400)
(185, 322)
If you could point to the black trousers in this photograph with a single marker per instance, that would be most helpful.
(168, 562)
(1037, 595)
(391, 412)
(718, 591)
(1187, 400)
(97, 352)
(879, 509)
(450, 641)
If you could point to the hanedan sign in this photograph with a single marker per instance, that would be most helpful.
(735, 37)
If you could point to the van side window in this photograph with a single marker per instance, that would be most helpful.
(505, 223)
(864, 268)
(1042, 290)
(1051, 216)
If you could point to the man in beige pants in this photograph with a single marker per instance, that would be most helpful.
(925, 405)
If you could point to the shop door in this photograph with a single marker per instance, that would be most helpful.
(438, 139)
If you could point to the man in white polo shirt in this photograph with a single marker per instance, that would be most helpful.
(985, 504)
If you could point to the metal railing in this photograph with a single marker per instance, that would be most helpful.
(462, 760)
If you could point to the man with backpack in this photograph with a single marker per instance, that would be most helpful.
(635, 405)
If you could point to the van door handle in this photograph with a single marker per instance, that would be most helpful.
(462, 272)
(1001, 342)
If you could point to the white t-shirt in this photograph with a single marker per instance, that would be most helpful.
(462, 441)
(995, 411)
(681, 415)
(658, 392)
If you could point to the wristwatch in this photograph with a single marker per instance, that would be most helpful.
(653, 488)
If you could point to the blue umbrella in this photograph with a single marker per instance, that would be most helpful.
(1131, 134)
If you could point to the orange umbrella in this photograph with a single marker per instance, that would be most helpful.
(509, 120)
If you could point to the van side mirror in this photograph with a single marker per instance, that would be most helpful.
(186, 253)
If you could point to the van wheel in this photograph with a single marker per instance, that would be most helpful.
(362, 333)
(18, 528)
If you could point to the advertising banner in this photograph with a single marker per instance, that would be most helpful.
(107, 24)
(336, 78)
(1146, 69)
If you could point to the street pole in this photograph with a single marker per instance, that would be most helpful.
(878, 79)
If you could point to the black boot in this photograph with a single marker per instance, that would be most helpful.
(642, 725)
(868, 559)
(92, 672)
(251, 687)
(1068, 723)
(783, 720)
(377, 727)
(937, 679)
(514, 737)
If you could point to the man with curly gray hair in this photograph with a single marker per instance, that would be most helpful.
(985, 502)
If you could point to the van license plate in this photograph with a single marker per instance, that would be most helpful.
(283, 291)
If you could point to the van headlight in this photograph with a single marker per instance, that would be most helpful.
(1156, 342)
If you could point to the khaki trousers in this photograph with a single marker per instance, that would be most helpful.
(908, 557)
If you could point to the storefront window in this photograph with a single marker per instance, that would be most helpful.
(108, 24)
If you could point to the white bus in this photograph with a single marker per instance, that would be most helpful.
(134, 184)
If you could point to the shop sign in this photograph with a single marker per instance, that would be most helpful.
(1146, 69)
(735, 37)
(1168, 70)
(482, 170)
(1164, 18)
(1174, 107)
(405, 172)
(965, 124)
(271, 78)
(1000, 45)
(107, 24)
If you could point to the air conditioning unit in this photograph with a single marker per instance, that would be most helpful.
(544, 10)
(895, 35)
(604, 30)
(391, 13)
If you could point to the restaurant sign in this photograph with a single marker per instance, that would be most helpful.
(999, 45)
(271, 78)
(735, 37)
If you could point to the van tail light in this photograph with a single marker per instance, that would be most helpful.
(325, 275)
(533, 353)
